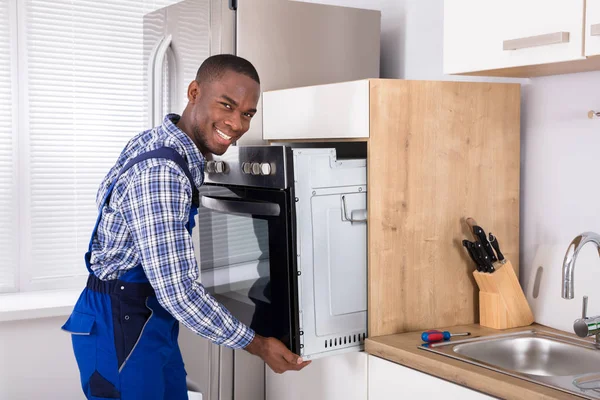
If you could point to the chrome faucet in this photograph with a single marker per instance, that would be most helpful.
(583, 326)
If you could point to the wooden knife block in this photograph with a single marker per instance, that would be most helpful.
(502, 303)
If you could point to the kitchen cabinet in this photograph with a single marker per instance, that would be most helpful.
(388, 380)
(592, 28)
(316, 112)
(519, 38)
(340, 377)
(437, 152)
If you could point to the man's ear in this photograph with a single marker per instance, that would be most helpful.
(193, 91)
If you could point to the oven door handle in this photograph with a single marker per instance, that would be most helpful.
(240, 206)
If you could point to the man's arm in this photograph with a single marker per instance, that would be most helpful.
(156, 209)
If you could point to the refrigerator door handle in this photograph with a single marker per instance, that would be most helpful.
(151, 79)
(159, 59)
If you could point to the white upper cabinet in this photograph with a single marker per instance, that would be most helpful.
(515, 37)
(331, 111)
(592, 28)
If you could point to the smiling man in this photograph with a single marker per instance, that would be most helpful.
(142, 269)
(222, 101)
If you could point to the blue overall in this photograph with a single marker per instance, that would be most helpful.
(125, 342)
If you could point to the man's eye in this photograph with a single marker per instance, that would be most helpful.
(226, 105)
(247, 115)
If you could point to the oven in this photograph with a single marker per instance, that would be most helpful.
(246, 227)
(282, 244)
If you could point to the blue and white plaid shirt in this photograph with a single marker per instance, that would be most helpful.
(144, 223)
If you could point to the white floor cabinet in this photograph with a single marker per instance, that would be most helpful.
(340, 377)
(388, 380)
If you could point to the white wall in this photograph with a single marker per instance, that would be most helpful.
(560, 196)
(36, 361)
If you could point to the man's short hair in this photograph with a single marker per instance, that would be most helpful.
(215, 66)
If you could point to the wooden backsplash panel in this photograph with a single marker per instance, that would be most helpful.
(437, 153)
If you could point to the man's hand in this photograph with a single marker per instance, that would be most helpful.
(275, 354)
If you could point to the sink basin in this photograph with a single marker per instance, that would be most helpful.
(533, 355)
(554, 360)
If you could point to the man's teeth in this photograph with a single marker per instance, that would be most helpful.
(224, 136)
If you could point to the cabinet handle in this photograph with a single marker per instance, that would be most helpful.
(539, 40)
(595, 30)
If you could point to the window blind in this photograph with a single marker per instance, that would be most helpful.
(85, 99)
(8, 220)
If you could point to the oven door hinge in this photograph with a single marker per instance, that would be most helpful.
(301, 333)
(298, 263)
(295, 169)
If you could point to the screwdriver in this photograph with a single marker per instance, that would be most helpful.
(437, 336)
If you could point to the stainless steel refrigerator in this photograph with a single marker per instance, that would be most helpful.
(291, 44)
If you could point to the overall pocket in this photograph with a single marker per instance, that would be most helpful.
(85, 346)
(81, 327)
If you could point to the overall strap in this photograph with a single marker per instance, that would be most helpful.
(163, 152)
(168, 153)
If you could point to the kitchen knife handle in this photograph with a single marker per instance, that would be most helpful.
(484, 258)
(468, 246)
(471, 223)
(496, 246)
(480, 234)
(478, 256)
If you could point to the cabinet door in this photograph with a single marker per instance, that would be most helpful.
(487, 35)
(388, 380)
(332, 111)
(341, 377)
(592, 28)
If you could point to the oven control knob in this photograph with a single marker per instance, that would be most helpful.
(265, 169)
(220, 167)
(210, 166)
(247, 168)
(255, 168)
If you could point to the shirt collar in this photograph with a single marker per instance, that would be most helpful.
(195, 159)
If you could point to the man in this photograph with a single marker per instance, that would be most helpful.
(143, 273)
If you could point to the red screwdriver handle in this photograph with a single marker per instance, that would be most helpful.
(437, 336)
(434, 336)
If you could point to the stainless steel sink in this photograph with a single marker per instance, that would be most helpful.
(558, 361)
(533, 355)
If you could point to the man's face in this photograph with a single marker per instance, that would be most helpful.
(221, 111)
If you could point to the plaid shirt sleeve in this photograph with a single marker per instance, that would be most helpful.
(156, 208)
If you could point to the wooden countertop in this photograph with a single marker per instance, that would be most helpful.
(402, 349)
